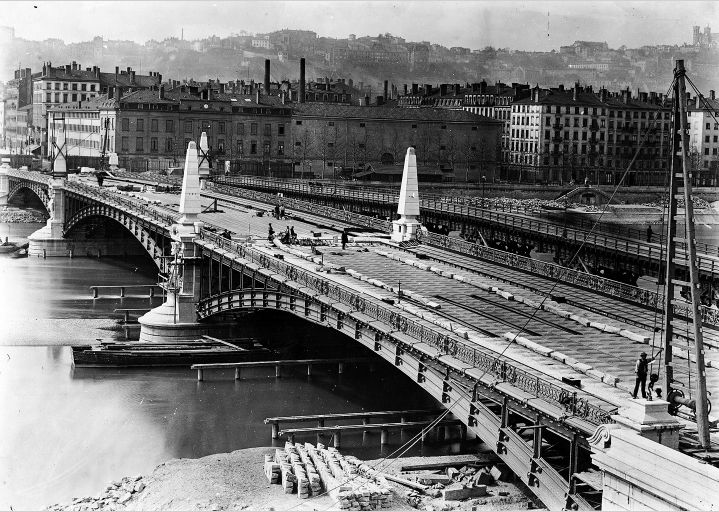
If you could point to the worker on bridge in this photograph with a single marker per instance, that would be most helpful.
(641, 369)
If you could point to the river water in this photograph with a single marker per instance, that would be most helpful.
(68, 432)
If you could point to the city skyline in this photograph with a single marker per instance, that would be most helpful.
(545, 25)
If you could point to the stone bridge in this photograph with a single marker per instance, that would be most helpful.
(577, 443)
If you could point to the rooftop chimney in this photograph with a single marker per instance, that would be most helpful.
(602, 95)
(405, 89)
(482, 87)
(442, 90)
(386, 88)
(67, 69)
(575, 93)
(110, 93)
(302, 80)
(457, 89)
(132, 77)
(427, 89)
(267, 76)
(118, 93)
(415, 88)
(161, 94)
(257, 96)
(712, 94)
(366, 101)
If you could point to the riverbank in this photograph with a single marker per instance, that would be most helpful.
(236, 481)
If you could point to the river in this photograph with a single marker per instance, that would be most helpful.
(68, 432)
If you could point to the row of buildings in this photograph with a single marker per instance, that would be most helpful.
(327, 128)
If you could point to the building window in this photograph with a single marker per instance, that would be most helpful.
(188, 126)
(240, 129)
(221, 127)
(169, 126)
(300, 122)
(253, 129)
(362, 125)
(240, 148)
(153, 145)
(74, 97)
(331, 123)
(125, 125)
(281, 130)
(74, 87)
(138, 144)
(125, 144)
(153, 125)
(280, 148)
(266, 148)
(83, 87)
(444, 126)
(267, 130)
(330, 144)
(169, 145)
(298, 143)
(64, 97)
(253, 147)
(92, 87)
(221, 146)
(361, 146)
(140, 125)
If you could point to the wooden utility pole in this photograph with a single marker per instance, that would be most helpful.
(680, 171)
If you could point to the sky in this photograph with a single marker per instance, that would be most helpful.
(529, 25)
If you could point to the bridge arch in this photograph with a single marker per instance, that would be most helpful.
(586, 195)
(138, 229)
(38, 189)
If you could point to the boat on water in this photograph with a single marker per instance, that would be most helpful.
(186, 353)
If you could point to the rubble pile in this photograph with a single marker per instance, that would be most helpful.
(311, 470)
(115, 497)
(13, 216)
(459, 485)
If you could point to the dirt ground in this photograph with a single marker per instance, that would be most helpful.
(236, 481)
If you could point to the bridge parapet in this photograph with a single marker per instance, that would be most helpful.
(576, 403)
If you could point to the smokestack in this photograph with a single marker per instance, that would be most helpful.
(712, 94)
(386, 89)
(267, 76)
(302, 81)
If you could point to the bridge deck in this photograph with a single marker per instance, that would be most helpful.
(471, 306)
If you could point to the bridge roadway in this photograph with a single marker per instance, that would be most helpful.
(599, 248)
(466, 304)
(459, 353)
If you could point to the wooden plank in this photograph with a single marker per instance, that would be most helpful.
(369, 426)
(482, 461)
(293, 362)
(350, 415)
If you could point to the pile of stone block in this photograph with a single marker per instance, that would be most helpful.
(272, 470)
(308, 469)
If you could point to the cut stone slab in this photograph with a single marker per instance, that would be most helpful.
(458, 492)
(433, 478)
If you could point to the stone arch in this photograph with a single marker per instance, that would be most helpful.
(587, 195)
(137, 229)
(37, 189)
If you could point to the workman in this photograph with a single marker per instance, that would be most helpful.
(641, 369)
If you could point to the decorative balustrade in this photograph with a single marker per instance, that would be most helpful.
(505, 371)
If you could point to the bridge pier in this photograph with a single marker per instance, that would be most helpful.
(48, 241)
(4, 185)
(176, 318)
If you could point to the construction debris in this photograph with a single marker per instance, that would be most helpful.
(313, 470)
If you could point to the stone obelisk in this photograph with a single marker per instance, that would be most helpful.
(408, 226)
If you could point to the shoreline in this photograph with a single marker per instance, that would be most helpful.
(236, 481)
